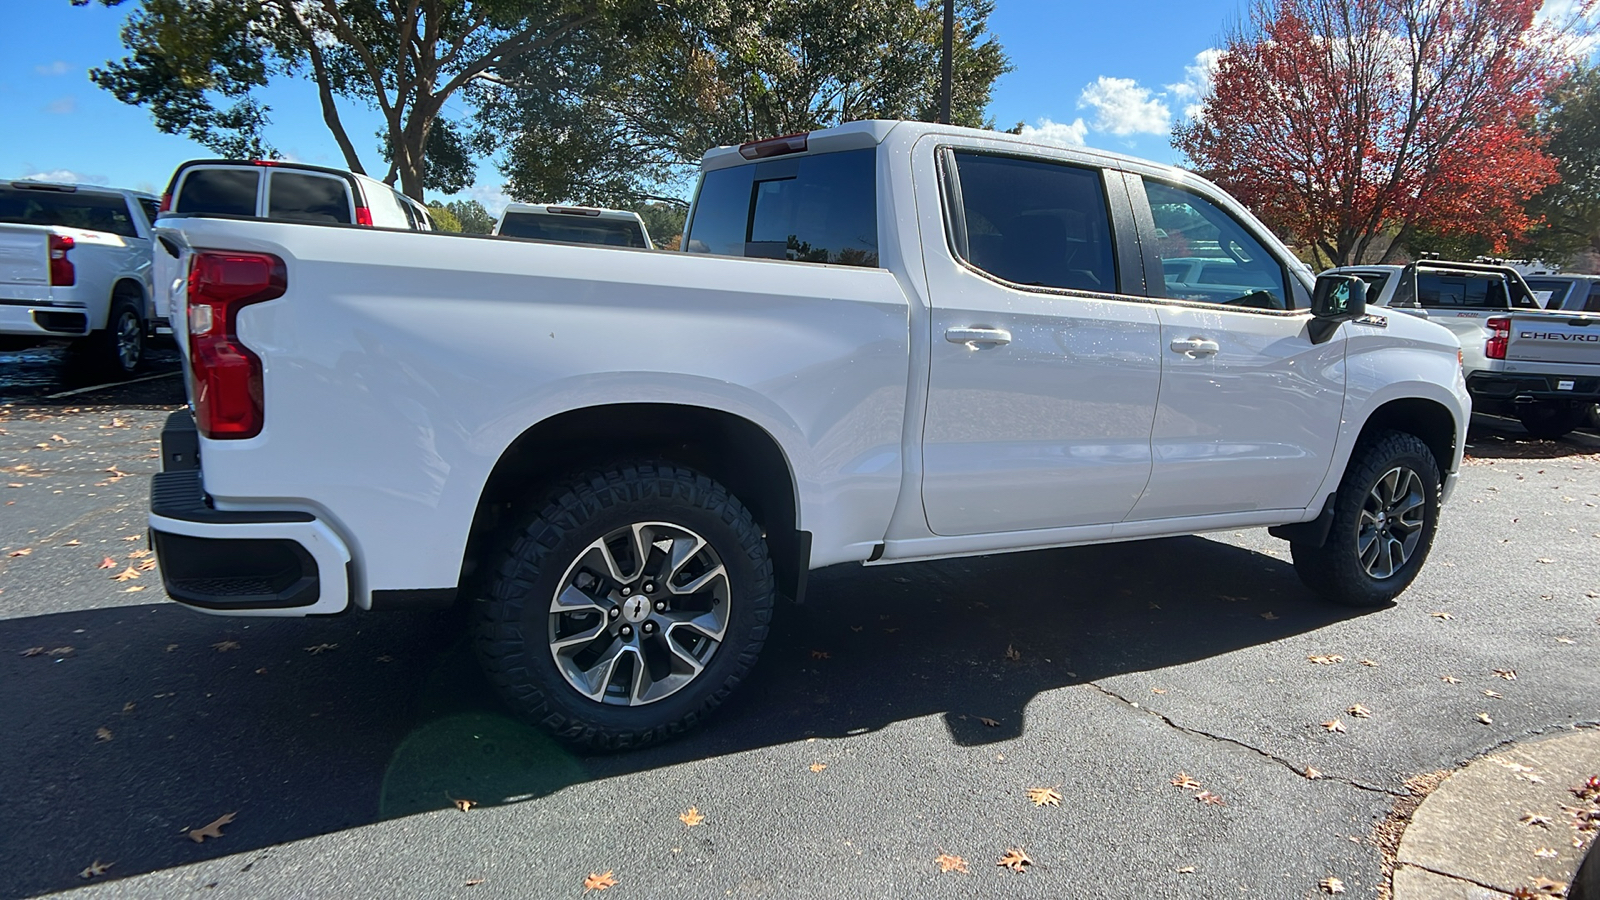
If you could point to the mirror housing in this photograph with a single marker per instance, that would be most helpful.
(1336, 299)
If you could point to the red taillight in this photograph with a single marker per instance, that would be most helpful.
(1499, 336)
(225, 376)
(266, 162)
(778, 146)
(62, 272)
(363, 216)
(166, 203)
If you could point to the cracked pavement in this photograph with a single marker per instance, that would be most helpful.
(1137, 661)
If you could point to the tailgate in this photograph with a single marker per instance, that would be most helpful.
(1555, 339)
(24, 255)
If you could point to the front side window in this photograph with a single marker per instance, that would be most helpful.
(1035, 223)
(1223, 261)
(218, 192)
(819, 208)
(302, 197)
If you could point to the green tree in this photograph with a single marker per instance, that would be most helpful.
(196, 64)
(615, 122)
(473, 217)
(1570, 209)
(443, 218)
(664, 221)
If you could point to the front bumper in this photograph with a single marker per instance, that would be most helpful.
(238, 562)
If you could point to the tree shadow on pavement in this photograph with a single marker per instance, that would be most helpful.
(306, 727)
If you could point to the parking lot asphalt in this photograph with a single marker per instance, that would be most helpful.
(899, 715)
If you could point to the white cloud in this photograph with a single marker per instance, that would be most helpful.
(62, 106)
(65, 176)
(1122, 107)
(1574, 26)
(56, 68)
(1058, 133)
(494, 198)
(1196, 84)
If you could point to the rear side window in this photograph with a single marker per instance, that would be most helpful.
(1551, 293)
(69, 209)
(218, 192)
(303, 197)
(151, 209)
(820, 208)
(1460, 292)
(1036, 223)
(565, 229)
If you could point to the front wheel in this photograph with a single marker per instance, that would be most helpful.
(628, 608)
(1385, 516)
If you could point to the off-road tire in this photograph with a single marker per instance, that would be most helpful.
(1335, 570)
(512, 634)
(1551, 420)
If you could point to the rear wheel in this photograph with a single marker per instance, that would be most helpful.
(628, 608)
(1549, 420)
(116, 350)
(1385, 516)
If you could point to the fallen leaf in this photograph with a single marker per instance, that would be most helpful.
(108, 563)
(126, 537)
(1360, 712)
(1184, 780)
(1441, 615)
(1531, 819)
(1186, 870)
(133, 590)
(23, 552)
(128, 707)
(1312, 774)
(1449, 679)
(463, 805)
(472, 882)
(1269, 616)
(61, 651)
(1549, 886)
(321, 648)
(126, 574)
(992, 723)
(32, 651)
(221, 646)
(1484, 718)
(1012, 653)
(73, 543)
(171, 647)
(1209, 798)
(948, 863)
(1545, 853)
(598, 882)
(95, 868)
(147, 565)
(1507, 674)
(214, 830)
(692, 817)
(1369, 663)
(819, 654)
(1334, 726)
(1158, 690)
(102, 733)
(1494, 694)
(1326, 660)
(1564, 640)
(1016, 859)
(818, 767)
(1331, 886)
(1546, 560)
(139, 554)
(1044, 796)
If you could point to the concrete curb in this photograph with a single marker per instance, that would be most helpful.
(1503, 822)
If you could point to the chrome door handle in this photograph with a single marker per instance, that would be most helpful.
(1195, 347)
(977, 335)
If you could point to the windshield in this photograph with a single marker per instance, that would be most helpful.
(564, 229)
(91, 212)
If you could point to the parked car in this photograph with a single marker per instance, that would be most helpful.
(1568, 293)
(573, 225)
(75, 264)
(887, 342)
(289, 192)
(1541, 366)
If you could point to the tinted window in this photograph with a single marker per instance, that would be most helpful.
(300, 197)
(218, 192)
(1460, 291)
(69, 209)
(811, 209)
(565, 229)
(1550, 293)
(1036, 223)
(151, 209)
(1375, 282)
(1234, 268)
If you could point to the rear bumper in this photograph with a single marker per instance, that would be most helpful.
(42, 320)
(238, 562)
(1518, 386)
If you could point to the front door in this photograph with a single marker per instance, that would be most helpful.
(1043, 374)
(1250, 407)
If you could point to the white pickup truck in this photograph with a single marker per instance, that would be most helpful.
(75, 263)
(1543, 366)
(884, 342)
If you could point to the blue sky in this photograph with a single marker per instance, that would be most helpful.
(1109, 75)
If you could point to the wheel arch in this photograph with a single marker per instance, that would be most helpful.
(1429, 420)
(740, 454)
(133, 288)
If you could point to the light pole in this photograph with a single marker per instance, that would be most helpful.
(944, 66)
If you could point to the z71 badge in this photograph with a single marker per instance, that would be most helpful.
(1374, 321)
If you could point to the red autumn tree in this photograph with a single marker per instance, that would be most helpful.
(1345, 123)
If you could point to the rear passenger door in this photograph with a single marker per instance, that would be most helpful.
(1044, 367)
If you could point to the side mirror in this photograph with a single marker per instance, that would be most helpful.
(1336, 299)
